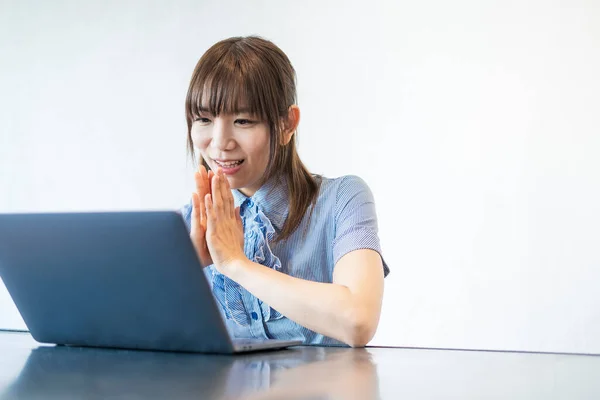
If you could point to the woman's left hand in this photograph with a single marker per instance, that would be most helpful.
(224, 229)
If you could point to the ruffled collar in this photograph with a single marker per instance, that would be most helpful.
(271, 198)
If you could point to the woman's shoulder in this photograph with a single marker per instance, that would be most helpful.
(343, 187)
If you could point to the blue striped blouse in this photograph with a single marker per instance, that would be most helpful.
(343, 220)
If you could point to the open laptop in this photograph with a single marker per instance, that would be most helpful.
(114, 279)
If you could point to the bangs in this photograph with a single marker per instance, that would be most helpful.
(223, 87)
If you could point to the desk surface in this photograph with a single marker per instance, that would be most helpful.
(29, 370)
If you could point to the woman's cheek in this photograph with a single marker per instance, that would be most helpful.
(199, 140)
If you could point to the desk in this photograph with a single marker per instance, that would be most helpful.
(29, 370)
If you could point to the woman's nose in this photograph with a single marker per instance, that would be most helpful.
(222, 137)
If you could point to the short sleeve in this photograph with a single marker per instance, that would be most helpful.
(355, 219)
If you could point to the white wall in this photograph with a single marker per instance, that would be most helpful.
(474, 122)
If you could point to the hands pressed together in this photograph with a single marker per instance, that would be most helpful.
(216, 230)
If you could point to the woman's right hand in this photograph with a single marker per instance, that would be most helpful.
(198, 231)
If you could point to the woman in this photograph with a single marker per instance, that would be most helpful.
(288, 254)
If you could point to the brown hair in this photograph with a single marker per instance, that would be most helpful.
(253, 73)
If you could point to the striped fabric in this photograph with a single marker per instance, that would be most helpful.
(343, 220)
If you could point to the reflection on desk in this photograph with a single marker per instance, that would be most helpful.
(303, 372)
(28, 371)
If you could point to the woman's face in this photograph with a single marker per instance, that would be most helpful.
(237, 143)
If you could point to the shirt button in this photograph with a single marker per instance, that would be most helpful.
(254, 315)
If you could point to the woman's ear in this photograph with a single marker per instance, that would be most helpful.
(290, 124)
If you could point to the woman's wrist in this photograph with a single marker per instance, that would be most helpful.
(235, 268)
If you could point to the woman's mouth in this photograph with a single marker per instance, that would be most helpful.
(229, 167)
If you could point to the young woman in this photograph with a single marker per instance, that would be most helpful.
(288, 254)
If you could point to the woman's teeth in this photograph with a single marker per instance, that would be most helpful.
(229, 164)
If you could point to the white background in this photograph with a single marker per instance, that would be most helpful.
(475, 123)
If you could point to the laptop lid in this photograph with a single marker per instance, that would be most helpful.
(111, 279)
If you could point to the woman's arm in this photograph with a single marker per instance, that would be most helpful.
(347, 309)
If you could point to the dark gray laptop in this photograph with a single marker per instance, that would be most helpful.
(114, 279)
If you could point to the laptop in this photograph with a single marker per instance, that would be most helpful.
(114, 279)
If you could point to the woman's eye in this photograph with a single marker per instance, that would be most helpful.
(202, 120)
(243, 121)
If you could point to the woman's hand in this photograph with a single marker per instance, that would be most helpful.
(198, 231)
(224, 230)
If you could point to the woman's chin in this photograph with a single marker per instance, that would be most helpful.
(234, 183)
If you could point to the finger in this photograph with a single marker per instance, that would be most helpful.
(210, 212)
(201, 189)
(195, 219)
(227, 196)
(209, 179)
(200, 184)
(201, 170)
(216, 194)
(204, 190)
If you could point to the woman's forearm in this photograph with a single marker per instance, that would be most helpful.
(326, 308)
